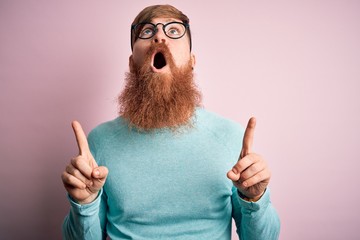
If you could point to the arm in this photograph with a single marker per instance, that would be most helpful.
(86, 221)
(255, 220)
(84, 179)
(252, 210)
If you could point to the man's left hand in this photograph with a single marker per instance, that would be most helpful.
(250, 174)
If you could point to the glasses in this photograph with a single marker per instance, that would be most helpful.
(173, 30)
(146, 30)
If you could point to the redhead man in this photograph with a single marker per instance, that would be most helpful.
(166, 168)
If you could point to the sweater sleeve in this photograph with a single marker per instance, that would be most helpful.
(255, 220)
(86, 221)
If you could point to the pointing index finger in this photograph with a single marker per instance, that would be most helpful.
(80, 138)
(248, 137)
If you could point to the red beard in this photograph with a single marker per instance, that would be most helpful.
(159, 100)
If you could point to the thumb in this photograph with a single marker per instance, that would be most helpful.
(99, 175)
(233, 176)
(100, 172)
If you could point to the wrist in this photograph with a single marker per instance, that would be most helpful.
(250, 199)
(88, 200)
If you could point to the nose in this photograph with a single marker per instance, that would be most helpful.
(159, 35)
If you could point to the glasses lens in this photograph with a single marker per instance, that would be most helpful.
(144, 30)
(175, 30)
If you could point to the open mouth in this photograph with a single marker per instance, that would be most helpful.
(159, 60)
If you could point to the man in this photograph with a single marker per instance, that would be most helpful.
(162, 168)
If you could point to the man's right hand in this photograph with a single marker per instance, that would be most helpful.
(83, 178)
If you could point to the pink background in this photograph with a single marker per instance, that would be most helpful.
(292, 64)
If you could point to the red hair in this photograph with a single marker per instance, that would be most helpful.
(159, 11)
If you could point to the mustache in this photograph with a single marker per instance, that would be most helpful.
(158, 55)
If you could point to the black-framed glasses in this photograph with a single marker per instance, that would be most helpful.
(146, 30)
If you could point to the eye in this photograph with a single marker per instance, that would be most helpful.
(174, 31)
(146, 32)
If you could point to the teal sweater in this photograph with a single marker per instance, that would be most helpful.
(170, 185)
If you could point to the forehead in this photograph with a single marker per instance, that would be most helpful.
(164, 20)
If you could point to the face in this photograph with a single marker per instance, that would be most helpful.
(160, 91)
(179, 48)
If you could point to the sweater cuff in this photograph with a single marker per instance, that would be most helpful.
(85, 209)
(263, 202)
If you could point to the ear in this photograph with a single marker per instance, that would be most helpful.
(131, 63)
(193, 60)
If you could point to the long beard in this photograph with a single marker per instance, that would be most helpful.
(159, 100)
